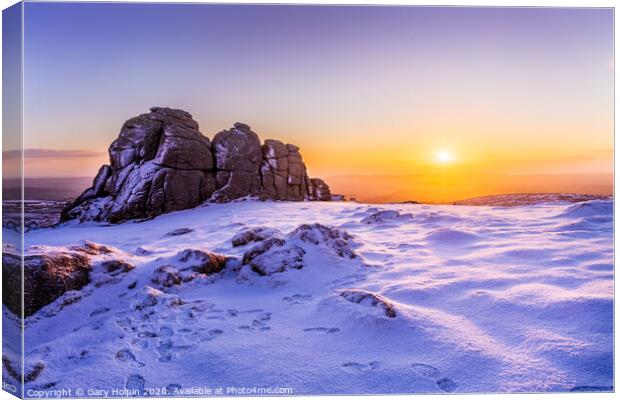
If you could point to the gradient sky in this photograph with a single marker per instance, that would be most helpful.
(364, 91)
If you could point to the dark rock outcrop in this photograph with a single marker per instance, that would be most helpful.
(166, 276)
(320, 190)
(341, 242)
(57, 275)
(274, 254)
(115, 267)
(237, 160)
(283, 172)
(370, 299)
(160, 162)
(47, 276)
(202, 262)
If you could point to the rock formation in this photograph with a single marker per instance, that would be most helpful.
(160, 162)
(275, 253)
(47, 275)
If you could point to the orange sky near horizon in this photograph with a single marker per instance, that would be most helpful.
(390, 174)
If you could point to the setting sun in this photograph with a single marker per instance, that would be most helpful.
(443, 157)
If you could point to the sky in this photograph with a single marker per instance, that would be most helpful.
(428, 103)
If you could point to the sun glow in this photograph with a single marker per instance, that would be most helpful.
(444, 157)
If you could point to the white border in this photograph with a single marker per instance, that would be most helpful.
(483, 3)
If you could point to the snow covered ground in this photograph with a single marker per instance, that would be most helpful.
(482, 299)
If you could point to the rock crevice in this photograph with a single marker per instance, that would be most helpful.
(161, 162)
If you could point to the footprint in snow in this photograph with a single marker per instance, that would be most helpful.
(264, 316)
(165, 331)
(430, 372)
(447, 385)
(83, 354)
(147, 335)
(140, 343)
(321, 329)
(354, 366)
(135, 382)
(425, 370)
(252, 311)
(212, 334)
(125, 356)
(232, 313)
(167, 348)
(99, 311)
(297, 298)
(256, 325)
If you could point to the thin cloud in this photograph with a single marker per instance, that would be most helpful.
(49, 153)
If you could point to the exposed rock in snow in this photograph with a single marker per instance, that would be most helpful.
(48, 273)
(384, 216)
(201, 261)
(338, 197)
(92, 248)
(160, 162)
(13, 370)
(115, 267)
(275, 254)
(193, 264)
(179, 232)
(166, 276)
(320, 235)
(52, 272)
(256, 234)
(261, 248)
(141, 251)
(363, 297)
(151, 297)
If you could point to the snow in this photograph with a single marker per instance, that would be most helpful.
(486, 299)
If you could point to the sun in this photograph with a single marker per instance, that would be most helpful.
(444, 157)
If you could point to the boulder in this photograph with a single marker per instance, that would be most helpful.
(154, 298)
(339, 241)
(160, 162)
(319, 190)
(48, 274)
(115, 267)
(202, 262)
(238, 156)
(284, 175)
(166, 276)
(92, 248)
(274, 255)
